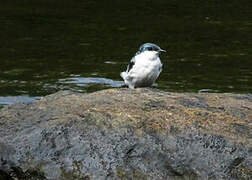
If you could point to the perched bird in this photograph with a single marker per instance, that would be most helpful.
(144, 68)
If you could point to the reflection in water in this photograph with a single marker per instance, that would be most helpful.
(45, 44)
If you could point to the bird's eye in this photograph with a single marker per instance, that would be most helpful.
(150, 48)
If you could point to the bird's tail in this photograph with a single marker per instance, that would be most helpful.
(123, 75)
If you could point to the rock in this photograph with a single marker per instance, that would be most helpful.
(128, 134)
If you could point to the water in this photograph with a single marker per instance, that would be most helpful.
(52, 45)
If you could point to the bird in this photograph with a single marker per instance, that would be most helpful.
(144, 68)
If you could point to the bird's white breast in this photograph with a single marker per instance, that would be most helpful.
(146, 68)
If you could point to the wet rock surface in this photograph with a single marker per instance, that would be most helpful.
(128, 134)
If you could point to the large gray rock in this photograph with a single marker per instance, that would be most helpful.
(128, 134)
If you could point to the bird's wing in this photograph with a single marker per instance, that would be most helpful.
(131, 64)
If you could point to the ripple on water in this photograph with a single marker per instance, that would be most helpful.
(81, 81)
(110, 62)
(7, 100)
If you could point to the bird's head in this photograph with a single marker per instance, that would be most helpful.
(150, 47)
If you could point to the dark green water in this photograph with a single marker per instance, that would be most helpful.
(83, 45)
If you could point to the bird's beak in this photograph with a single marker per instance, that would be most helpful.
(161, 50)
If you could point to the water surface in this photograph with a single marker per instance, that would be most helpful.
(52, 45)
